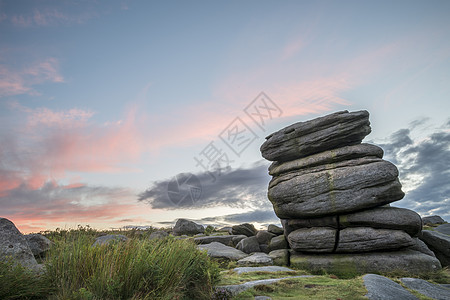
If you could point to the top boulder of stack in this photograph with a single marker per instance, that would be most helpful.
(324, 133)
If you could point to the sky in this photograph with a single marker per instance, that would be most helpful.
(118, 114)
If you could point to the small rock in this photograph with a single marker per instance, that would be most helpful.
(275, 229)
(425, 288)
(257, 258)
(109, 238)
(38, 243)
(278, 242)
(245, 229)
(264, 236)
(249, 245)
(382, 288)
(158, 235)
(219, 250)
(184, 226)
(271, 269)
(262, 298)
(280, 257)
(444, 228)
(432, 220)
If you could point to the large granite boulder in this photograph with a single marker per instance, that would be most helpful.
(227, 240)
(382, 288)
(439, 243)
(409, 261)
(256, 259)
(187, 227)
(159, 234)
(280, 257)
(275, 229)
(346, 189)
(305, 138)
(245, 229)
(264, 237)
(278, 242)
(426, 288)
(38, 244)
(219, 250)
(444, 228)
(14, 247)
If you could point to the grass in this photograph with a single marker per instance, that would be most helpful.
(136, 269)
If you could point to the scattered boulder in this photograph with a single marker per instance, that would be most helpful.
(409, 261)
(219, 250)
(224, 239)
(280, 257)
(425, 288)
(249, 245)
(245, 229)
(38, 244)
(275, 229)
(109, 238)
(187, 227)
(432, 220)
(237, 238)
(159, 234)
(278, 242)
(439, 243)
(13, 246)
(264, 236)
(257, 258)
(444, 228)
(225, 229)
(382, 288)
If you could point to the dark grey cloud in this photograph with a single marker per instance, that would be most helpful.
(241, 187)
(424, 165)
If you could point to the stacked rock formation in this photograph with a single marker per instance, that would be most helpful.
(332, 194)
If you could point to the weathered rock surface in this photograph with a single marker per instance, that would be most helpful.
(439, 243)
(271, 269)
(245, 229)
(330, 159)
(371, 262)
(264, 237)
(219, 250)
(13, 245)
(432, 220)
(249, 245)
(237, 238)
(224, 239)
(158, 235)
(275, 229)
(257, 258)
(317, 239)
(444, 228)
(305, 138)
(382, 288)
(336, 191)
(187, 227)
(38, 244)
(425, 288)
(280, 257)
(278, 242)
(380, 217)
(109, 238)
(420, 246)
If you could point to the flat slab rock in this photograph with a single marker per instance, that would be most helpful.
(439, 243)
(340, 190)
(382, 288)
(258, 258)
(227, 240)
(324, 133)
(242, 270)
(426, 288)
(379, 217)
(348, 240)
(219, 250)
(372, 262)
(444, 228)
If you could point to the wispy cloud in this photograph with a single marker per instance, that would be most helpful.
(21, 81)
(40, 17)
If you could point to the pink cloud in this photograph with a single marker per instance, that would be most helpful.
(20, 81)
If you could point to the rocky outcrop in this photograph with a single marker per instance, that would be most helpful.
(249, 245)
(332, 194)
(219, 250)
(38, 244)
(109, 238)
(257, 258)
(14, 247)
(439, 243)
(433, 220)
(244, 229)
(186, 227)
